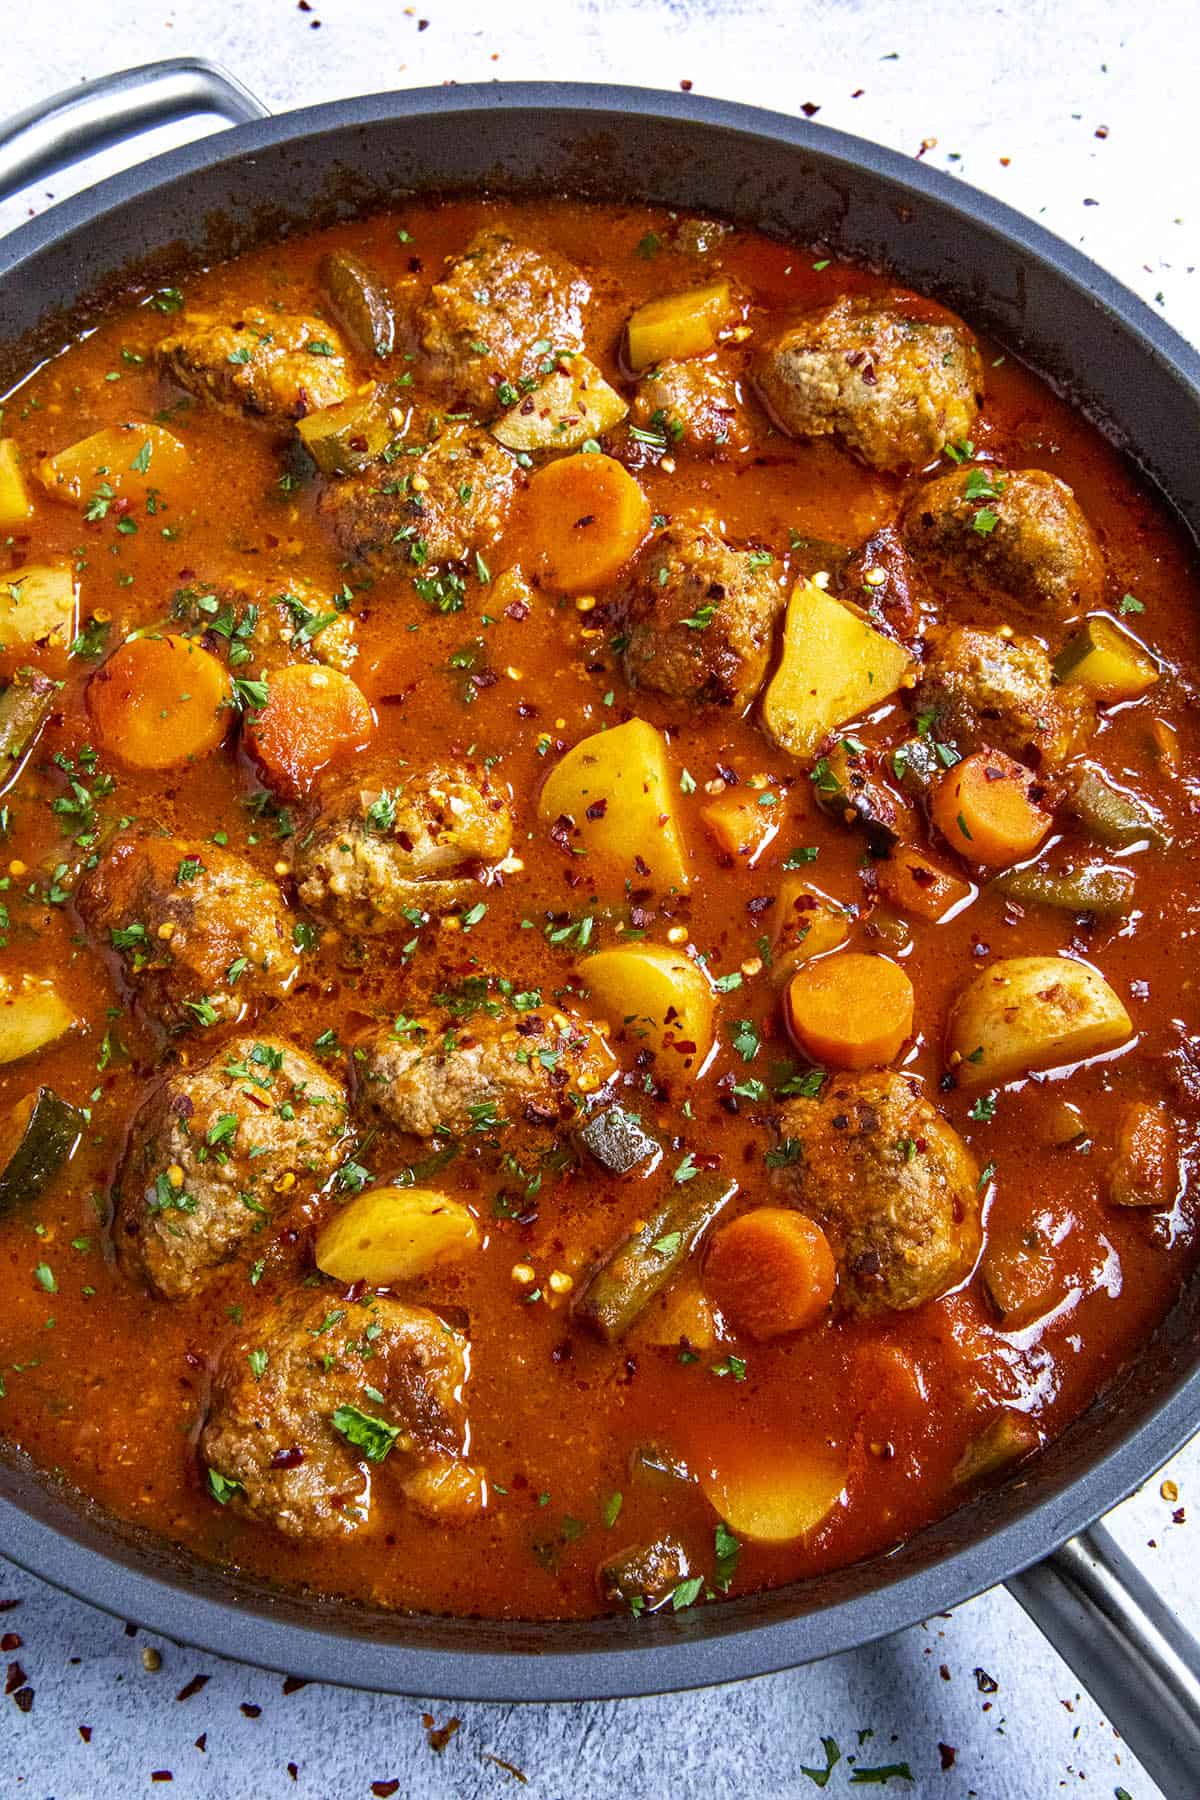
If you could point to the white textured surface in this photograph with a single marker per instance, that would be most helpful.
(1028, 82)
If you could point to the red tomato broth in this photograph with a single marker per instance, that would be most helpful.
(111, 1392)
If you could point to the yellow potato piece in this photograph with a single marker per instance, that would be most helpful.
(834, 666)
(15, 505)
(395, 1234)
(32, 1015)
(774, 1495)
(618, 789)
(678, 325)
(807, 923)
(1106, 661)
(38, 606)
(125, 460)
(1025, 1013)
(571, 405)
(658, 998)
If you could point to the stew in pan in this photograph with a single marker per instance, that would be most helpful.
(598, 892)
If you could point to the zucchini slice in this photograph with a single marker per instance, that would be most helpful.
(36, 1139)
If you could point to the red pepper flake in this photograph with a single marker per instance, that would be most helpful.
(1006, 162)
(858, 93)
(202, 1742)
(193, 1686)
(161, 1775)
(293, 1683)
(249, 1710)
(422, 24)
(944, 1672)
(926, 144)
(8, 1605)
(85, 1732)
(987, 1684)
(810, 109)
(384, 1789)
(439, 1735)
(293, 1770)
(1101, 131)
(16, 1678)
(23, 1699)
(947, 1752)
(686, 86)
(10, 1641)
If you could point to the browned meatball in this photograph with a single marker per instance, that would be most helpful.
(266, 624)
(435, 507)
(440, 1073)
(375, 852)
(314, 1395)
(199, 931)
(498, 313)
(215, 1151)
(1013, 537)
(985, 690)
(892, 1184)
(700, 618)
(894, 389)
(696, 405)
(269, 365)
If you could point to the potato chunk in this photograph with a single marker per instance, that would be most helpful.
(126, 460)
(1106, 661)
(394, 1234)
(673, 326)
(37, 606)
(33, 1014)
(15, 506)
(570, 405)
(834, 665)
(772, 1495)
(1026, 1013)
(613, 794)
(659, 997)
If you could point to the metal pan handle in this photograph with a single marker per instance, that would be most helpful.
(97, 114)
(1139, 1664)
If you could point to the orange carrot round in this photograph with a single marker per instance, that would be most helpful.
(771, 1272)
(853, 1011)
(159, 701)
(985, 809)
(584, 517)
(313, 716)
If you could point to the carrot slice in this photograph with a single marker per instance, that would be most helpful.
(984, 807)
(854, 1011)
(771, 1272)
(160, 701)
(916, 885)
(313, 716)
(584, 516)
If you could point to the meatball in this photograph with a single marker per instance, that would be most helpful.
(267, 624)
(435, 507)
(438, 1074)
(699, 618)
(891, 1183)
(214, 1150)
(895, 390)
(500, 310)
(989, 691)
(697, 405)
(199, 931)
(271, 366)
(376, 852)
(1013, 537)
(309, 1397)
